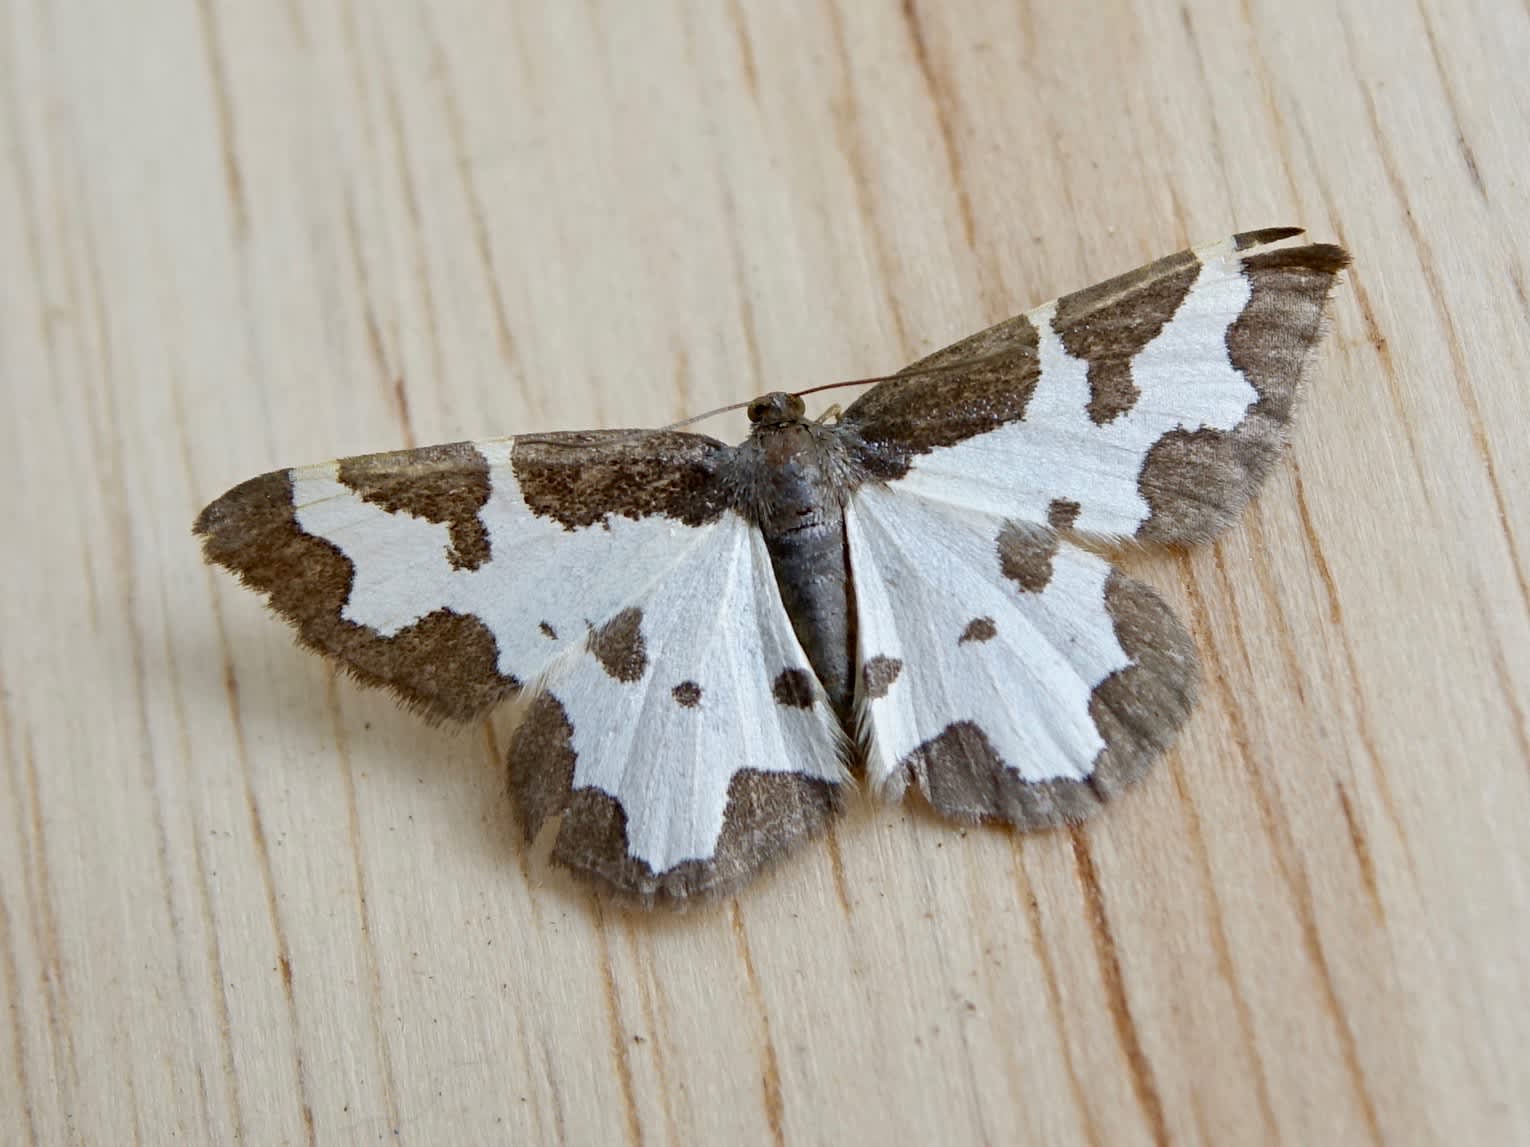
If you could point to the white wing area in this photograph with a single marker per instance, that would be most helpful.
(717, 632)
(538, 595)
(1187, 381)
(974, 645)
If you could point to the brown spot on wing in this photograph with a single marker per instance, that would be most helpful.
(793, 689)
(978, 629)
(445, 665)
(767, 815)
(687, 694)
(619, 646)
(878, 675)
(1062, 513)
(1137, 711)
(1197, 481)
(1026, 552)
(447, 484)
(581, 478)
(1107, 324)
(994, 375)
(548, 631)
(1111, 390)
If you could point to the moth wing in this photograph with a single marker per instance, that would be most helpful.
(1149, 406)
(674, 720)
(454, 574)
(1008, 674)
(688, 743)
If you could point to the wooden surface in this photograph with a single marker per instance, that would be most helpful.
(245, 902)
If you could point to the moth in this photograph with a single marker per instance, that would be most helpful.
(711, 641)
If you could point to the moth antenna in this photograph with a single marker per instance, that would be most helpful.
(848, 382)
(708, 414)
(912, 372)
(964, 364)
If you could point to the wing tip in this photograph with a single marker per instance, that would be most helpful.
(1243, 240)
(253, 501)
(1326, 258)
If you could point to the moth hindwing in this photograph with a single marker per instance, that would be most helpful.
(707, 635)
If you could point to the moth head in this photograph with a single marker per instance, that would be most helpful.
(775, 408)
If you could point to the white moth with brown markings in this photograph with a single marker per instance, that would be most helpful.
(711, 638)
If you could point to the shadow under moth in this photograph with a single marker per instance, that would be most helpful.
(712, 641)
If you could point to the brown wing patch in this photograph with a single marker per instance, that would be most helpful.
(1107, 324)
(767, 815)
(1025, 555)
(894, 419)
(447, 484)
(793, 689)
(541, 763)
(619, 646)
(687, 694)
(878, 675)
(581, 478)
(445, 665)
(1197, 481)
(1270, 340)
(1246, 239)
(978, 629)
(1137, 711)
(1062, 513)
(962, 776)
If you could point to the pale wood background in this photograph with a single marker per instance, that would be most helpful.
(245, 902)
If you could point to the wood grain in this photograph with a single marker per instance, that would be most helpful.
(242, 901)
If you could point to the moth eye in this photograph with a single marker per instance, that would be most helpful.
(757, 409)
